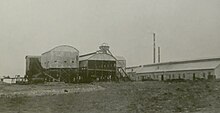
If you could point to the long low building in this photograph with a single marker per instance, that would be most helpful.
(188, 70)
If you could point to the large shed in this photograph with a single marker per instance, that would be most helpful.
(61, 64)
(188, 69)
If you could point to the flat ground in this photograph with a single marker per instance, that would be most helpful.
(123, 97)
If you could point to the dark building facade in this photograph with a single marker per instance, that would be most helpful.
(97, 67)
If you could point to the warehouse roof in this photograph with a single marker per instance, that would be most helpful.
(200, 64)
(98, 56)
(63, 48)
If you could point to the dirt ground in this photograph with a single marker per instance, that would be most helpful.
(123, 97)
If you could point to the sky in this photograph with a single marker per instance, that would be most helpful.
(185, 29)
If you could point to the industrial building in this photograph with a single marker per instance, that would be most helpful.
(101, 66)
(185, 70)
(63, 64)
(59, 64)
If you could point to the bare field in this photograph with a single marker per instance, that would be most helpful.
(124, 97)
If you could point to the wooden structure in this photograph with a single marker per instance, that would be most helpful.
(97, 67)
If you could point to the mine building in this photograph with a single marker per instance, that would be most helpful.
(185, 70)
(97, 67)
(101, 66)
(61, 64)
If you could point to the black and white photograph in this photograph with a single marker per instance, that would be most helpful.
(110, 56)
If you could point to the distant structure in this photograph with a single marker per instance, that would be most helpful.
(101, 66)
(178, 70)
(63, 64)
(13, 80)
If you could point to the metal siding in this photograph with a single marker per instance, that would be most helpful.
(61, 57)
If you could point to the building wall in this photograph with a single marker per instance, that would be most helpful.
(60, 57)
(186, 75)
(92, 70)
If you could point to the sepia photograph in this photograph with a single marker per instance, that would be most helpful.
(110, 56)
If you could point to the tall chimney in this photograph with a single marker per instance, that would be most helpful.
(158, 54)
(154, 49)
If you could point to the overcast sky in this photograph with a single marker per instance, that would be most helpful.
(185, 29)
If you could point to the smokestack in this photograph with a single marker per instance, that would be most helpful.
(154, 49)
(158, 54)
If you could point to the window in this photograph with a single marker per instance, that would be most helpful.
(65, 61)
(209, 73)
(72, 61)
(173, 75)
(55, 61)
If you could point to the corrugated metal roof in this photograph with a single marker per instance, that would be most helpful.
(98, 56)
(180, 66)
(63, 48)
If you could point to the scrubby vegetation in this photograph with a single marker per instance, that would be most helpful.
(123, 97)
